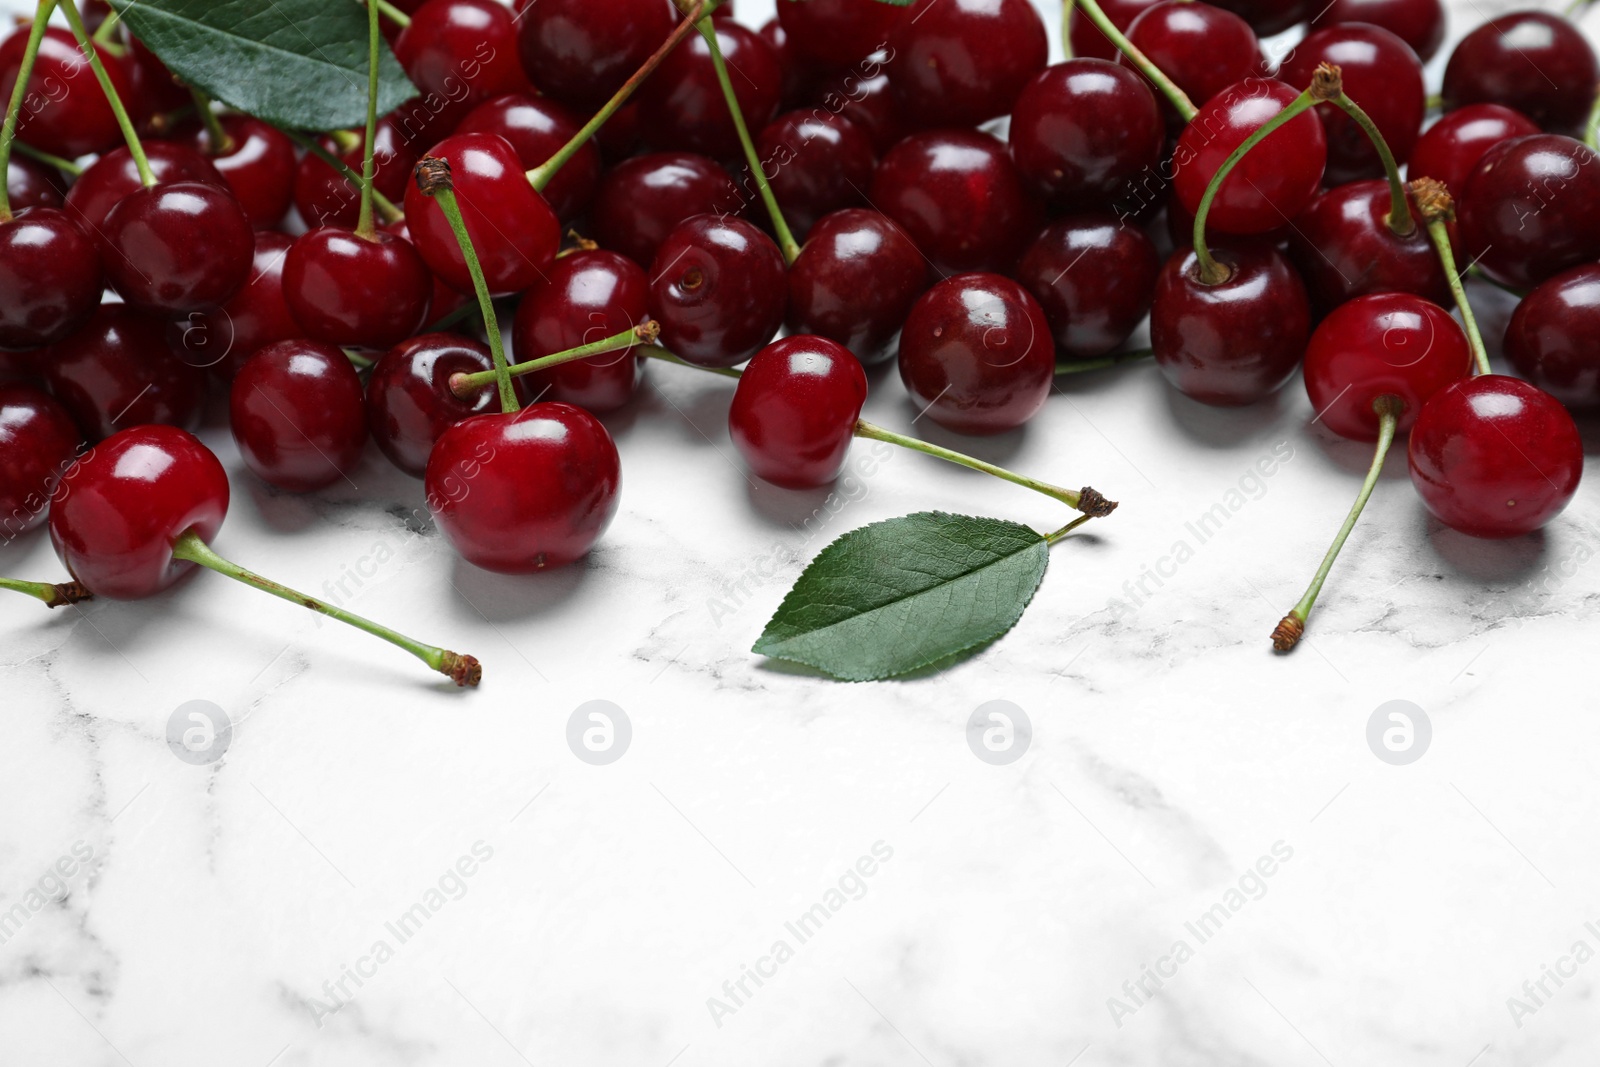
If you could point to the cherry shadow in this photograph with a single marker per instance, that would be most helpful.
(1226, 428)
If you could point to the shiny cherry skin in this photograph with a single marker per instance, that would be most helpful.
(797, 76)
(961, 199)
(1449, 149)
(323, 197)
(120, 370)
(864, 97)
(1272, 184)
(1082, 129)
(1493, 456)
(1384, 344)
(837, 33)
(109, 180)
(50, 280)
(517, 494)
(580, 52)
(795, 411)
(1094, 277)
(684, 109)
(1531, 209)
(258, 163)
(178, 247)
(258, 315)
(409, 402)
(30, 183)
(64, 111)
(642, 200)
(718, 289)
(127, 500)
(855, 281)
(1087, 40)
(975, 354)
(298, 416)
(1236, 342)
(512, 227)
(537, 127)
(463, 52)
(1535, 62)
(1203, 49)
(1419, 23)
(1268, 17)
(1344, 248)
(1551, 337)
(38, 441)
(964, 62)
(816, 163)
(589, 296)
(1381, 74)
(345, 289)
(445, 299)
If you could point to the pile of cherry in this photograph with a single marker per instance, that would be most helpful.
(855, 197)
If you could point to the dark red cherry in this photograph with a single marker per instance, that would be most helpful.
(962, 62)
(1094, 278)
(644, 199)
(718, 288)
(37, 443)
(126, 501)
(517, 494)
(855, 280)
(797, 75)
(959, 196)
(1552, 337)
(1268, 17)
(119, 370)
(1419, 23)
(325, 198)
(463, 52)
(590, 295)
(816, 163)
(30, 183)
(258, 164)
(837, 33)
(513, 230)
(1269, 186)
(157, 93)
(1382, 75)
(1449, 149)
(1493, 456)
(344, 289)
(795, 411)
(683, 107)
(1235, 342)
(111, 178)
(1344, 248)
(298, 416)
(1535, 62)
(94, 13)
(618, 137)
(1203, 49)
(177, 247)
(1087, 40)
(64, 112)
(1082, 129)
(445, 299)
(409, 402)
(1531, 209)
(258, 315)
(580, 52)
(49, 278)
(975, 354)
(537, 128)
(863, 96)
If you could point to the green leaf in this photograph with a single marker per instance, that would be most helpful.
(902, 594)
(295, 63)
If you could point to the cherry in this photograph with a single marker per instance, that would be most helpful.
(797, 76)
(1493, 456)
(1531, 209)
(642, 200)
(297, 415)
(50, 278)
(120, 370)
(590, 295)
(30, 183)
(1081, 129)
(64, 112)
(258, 163)
(1419, 23)
(463, 52)
(1551, 337)
(618, 139)
(1203, 49)
(959, 196)
(1085, 37)
(1538, 63)
(177, 247)
(517, 494)
(684, 108)
(37, 443)
(866, 100)
(109, 180)
(445, 300)
(718, 289)
(963, 62)
(537, 127)
(258, 315)
(816, 163)
(1449, 149)
(1382, 75)
(156, 93)
(324, 197)
(975, 354)
(1268, 17)
(512, 227)
(1234, 342)
(1094, 278)
(1344, 248)
(795, 411)
(366, 292)
(837, 33)
(409, 402)
(581, 53)
(855, 281)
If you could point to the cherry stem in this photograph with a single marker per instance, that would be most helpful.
(433, 178)
(8, 133)
(221, 143)
(384, 205)
(780, 226)
(1052, 538)
(53, 596)
(463, 670)
(392, 13)
(1477, 272)
(107, 27)
(66, 166)
(365, 227)
(459, 314)
(657, 352)
(541, 175)
(1591, 132)
(1288, 632)
(1067, 7)
(464, 386)
(1169, 88)
(1078, 366)
(358, 360)
(129, 134)
(1437, 208)
(1400, 222)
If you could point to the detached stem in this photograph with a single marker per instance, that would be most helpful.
(221, 143)
(466, 385)
(365, 227)
(385, 206)
(8, 133)
(53, 596)
(1401, 224)
(1437, 208)
(1052, 538)
(1169, 88)
(129, 134)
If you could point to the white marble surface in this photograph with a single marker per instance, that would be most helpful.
(221, 905)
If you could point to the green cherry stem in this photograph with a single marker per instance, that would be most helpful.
(1052, 538)
(8, 133)
(461, 669)
(65, 166)
(1400, 222)
(383, 204)
(1289, 631)
(392, 13)
(460, 314)
(433, 178)
(1079, 366)
(366, 228)
(1591, 132)
(1437, 208)
(465, 385)
(53, 596)
(220, 143)
(1067, 7)
(1169, 88)
(129, 134)
(108, 26)
(657, 352)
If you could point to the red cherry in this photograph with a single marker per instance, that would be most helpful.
(409, 402)
(445, 300)
(1203, 49)
(864, 97)
(1493, 456)
(1087, 40)
(580, 52)
(463, 52)
(64, 111)
(684, 107)
(963, 62)
(590, 295)
(297, 415)
(30, 183)
(797, 76)
(1538, 63)
(110, 179)
(837, 33)
(537, 127)
(156, 93)
(718, 290)
(37, 443)
(1531, 209)
(258, 315)
(178, 247)
(854, 282)
(323, 197)
(517, 494)
(1268, 17)
(1382, 75)
(259, 166)
(1082, 129)
(795, 411)
(1094, 278)
(975, 354)
(1419, 23)
(1449, 149)
(50, 278)
(1344, 248)
(365, 292)
(816, 163)
(1551, 337)
(120, 370)
(644, 199)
